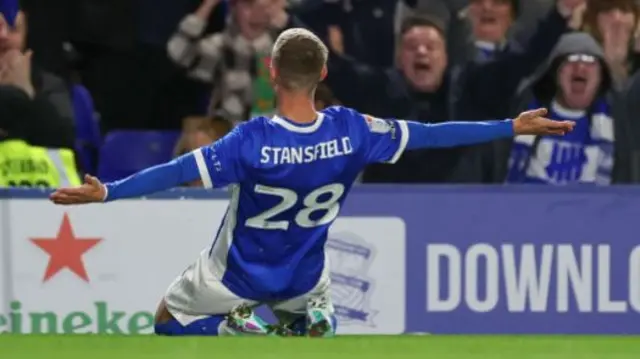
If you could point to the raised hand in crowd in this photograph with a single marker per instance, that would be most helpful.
(276, 11)
(336, 39)
(569, 7)
(617, 28)
(204, 11)
(574, 11)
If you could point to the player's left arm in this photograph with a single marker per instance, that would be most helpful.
(216, 165)
(147, 181)
(154, 179)
(390, 138)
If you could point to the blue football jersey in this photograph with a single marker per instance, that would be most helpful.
(287, 183)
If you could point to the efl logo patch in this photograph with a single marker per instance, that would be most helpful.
(378, 125)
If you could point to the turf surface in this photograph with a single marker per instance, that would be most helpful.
(347, 347)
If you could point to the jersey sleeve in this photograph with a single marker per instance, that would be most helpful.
(385, 139)
(221, 163)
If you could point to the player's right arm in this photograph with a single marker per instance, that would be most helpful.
(216, 165)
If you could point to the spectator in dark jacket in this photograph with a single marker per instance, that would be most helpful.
(490, 22)
(34, 105)
(422, 88)
(576, 84)
(366, 27)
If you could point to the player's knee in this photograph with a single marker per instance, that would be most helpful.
(165, 323)
(162, 313)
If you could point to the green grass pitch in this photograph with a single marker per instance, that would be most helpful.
(347, 347)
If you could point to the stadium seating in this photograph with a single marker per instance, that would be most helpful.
(88, 137)
(126, 152)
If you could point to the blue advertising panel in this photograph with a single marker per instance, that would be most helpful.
(503, 259)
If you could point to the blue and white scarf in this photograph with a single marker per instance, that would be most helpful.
(488, 51)
(582, 156)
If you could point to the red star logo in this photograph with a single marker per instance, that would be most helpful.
(65, 251)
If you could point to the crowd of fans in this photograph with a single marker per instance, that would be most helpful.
(199, 67)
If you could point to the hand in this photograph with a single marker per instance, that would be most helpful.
(15, 70)
(573, 11)
(570, 5)
(276, 10)
(205, 9)
(533, 123)
(616, 39)
(92, 191)
(210, 3)
(336, 40)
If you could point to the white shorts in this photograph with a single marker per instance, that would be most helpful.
(199, 293)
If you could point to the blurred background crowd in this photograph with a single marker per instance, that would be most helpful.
(109, 87)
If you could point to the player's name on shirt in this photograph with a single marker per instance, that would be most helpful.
(306, 154)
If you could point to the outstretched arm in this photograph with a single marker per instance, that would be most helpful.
(217, 165)
(388, 139)
(158, 178)
(451, 134)
(148, 181)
